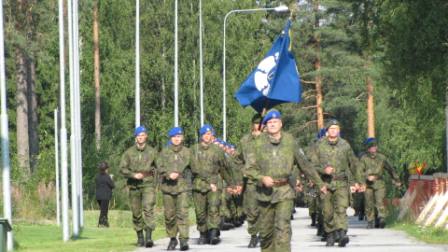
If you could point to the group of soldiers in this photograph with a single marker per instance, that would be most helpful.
(258, 184)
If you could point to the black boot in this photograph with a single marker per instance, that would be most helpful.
(313, 219)
(320, 230)
(253, 241)
(105, 222)
(214, 237)
(330, 239)
(361, 215)
(324, 236)
(148, 239)
(184, 244)
(377, 222)
(173, 243)
(140, 240)
(381, 223)
(337, 236)
(343, 238)
(203, 239)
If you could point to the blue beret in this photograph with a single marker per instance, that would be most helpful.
(271, 115)
(204, 129)
(369, 142)
(175, 131)
(321, 133)
(139, 130)
(231, 146)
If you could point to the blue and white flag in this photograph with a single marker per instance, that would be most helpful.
(275, 80)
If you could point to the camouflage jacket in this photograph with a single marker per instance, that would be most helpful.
(236, 165)
(134, 161)
(209, 166)
(376, 165)
(174, 159)
(246, 142)
(338, 155)
(278, 159)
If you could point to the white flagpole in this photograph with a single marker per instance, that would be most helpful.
(6, 171)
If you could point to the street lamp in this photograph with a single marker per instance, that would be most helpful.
(281, 8)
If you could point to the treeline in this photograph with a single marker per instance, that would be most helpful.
(400, 48)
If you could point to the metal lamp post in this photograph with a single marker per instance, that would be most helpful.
(281, 8)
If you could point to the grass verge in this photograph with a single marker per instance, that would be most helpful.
(48, 237)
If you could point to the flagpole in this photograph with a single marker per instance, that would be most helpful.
(63, 129)
(281, 8)
(6, 171)
(176, 81)
(137, 63)
(201, 72)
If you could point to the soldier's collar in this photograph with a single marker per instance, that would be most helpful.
(176, 148)
(372, 155)
(142, 148)
(332, 142)
(204, 145)
(273, 140)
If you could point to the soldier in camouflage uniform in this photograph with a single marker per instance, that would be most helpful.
(209, 168)
(374, 165)
(339, 166)
(231, 206)
(270, 163)
(137, 165)
(250, 202)
(172, 163)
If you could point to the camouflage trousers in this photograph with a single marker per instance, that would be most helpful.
(334, 207)
(250, 205)
(374, 200)
(176, 214)
(231, 207)
(358, 202)
(142, 202)
(206, 206)
(275, 226)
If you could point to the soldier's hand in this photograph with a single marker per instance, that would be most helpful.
(174, 175)
(371, 178)
(397, 184)
(324, 189)
(239, 189)
(139, 175)
(352, 189)
(363, 188)
(329, 170)
(213, 187)
(229, 190)
(267, 181)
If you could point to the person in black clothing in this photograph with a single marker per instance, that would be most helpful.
(104, 186)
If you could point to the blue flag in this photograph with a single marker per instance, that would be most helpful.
(275, 80)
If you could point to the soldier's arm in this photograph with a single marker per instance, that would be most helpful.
(161, 164)
(390, 169)
(124, 166)
(313, 155)
(237, 169)
(355, 168)
(225, 169)
(306, 167)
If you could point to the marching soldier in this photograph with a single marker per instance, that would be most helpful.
(270, 163)
(250, 203)
(137, 165)
(374, 165)
(209, 168)
(339, 166)
(172, 164)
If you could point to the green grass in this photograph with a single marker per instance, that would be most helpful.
(48, 237)
(427, 234)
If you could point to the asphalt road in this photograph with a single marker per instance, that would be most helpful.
(304, 239)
